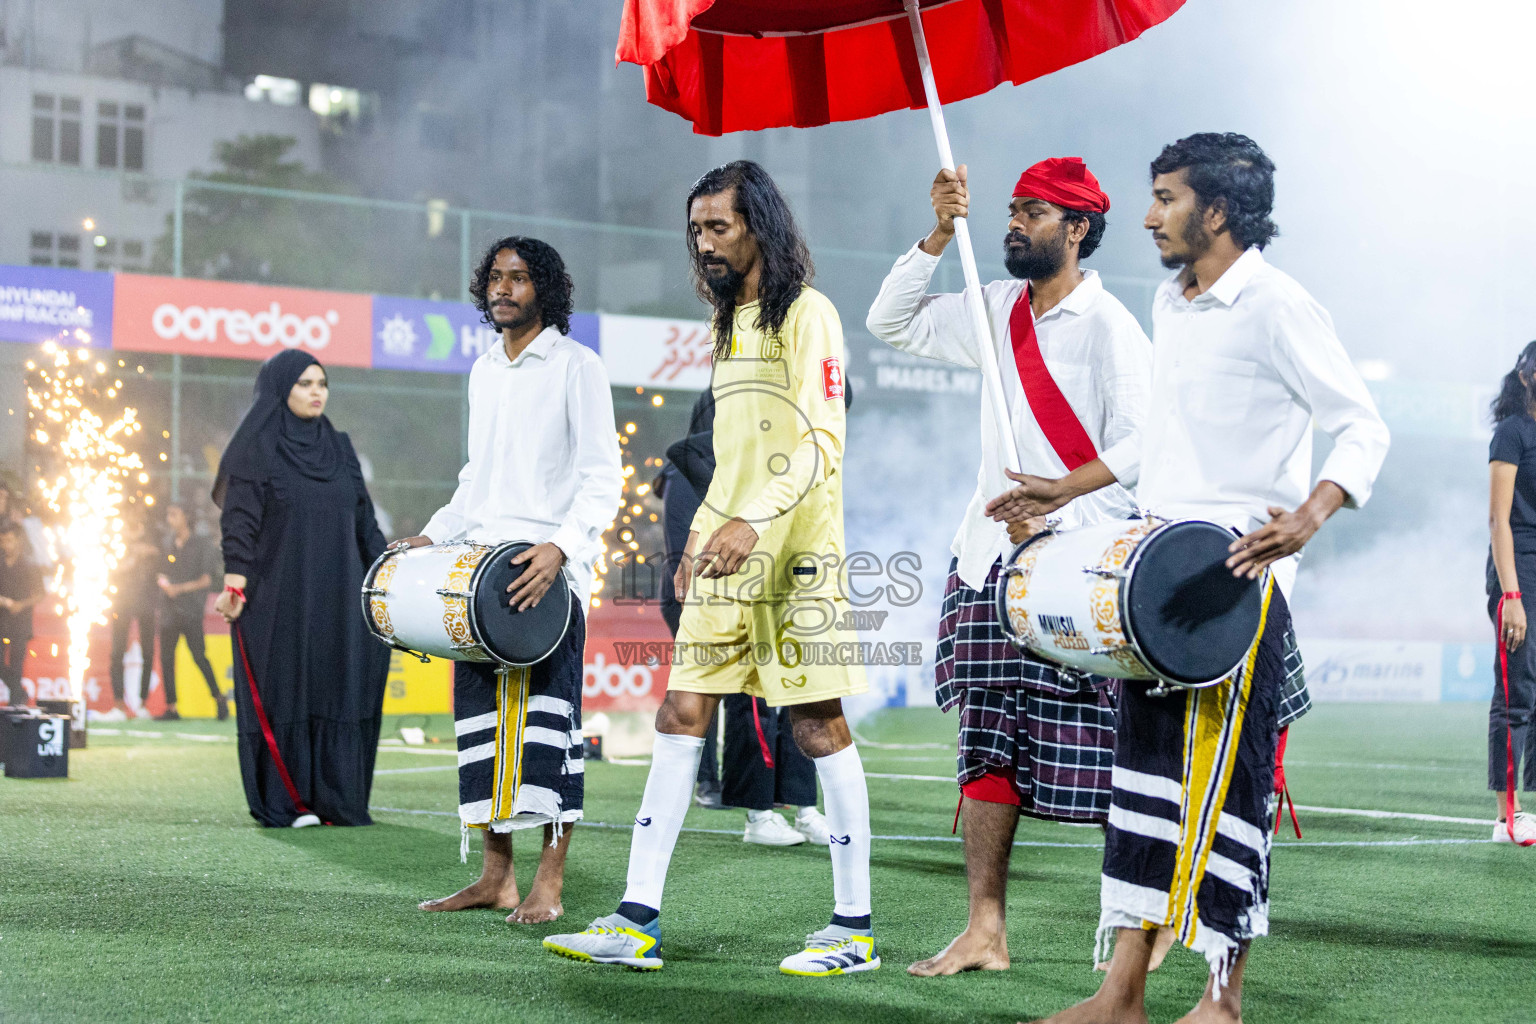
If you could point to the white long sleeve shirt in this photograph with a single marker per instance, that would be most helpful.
(1240, 374)
(1093, 347)
(543, 455)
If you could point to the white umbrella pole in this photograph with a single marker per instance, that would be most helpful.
(990, 376)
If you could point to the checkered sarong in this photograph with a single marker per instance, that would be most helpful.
(1053, 729)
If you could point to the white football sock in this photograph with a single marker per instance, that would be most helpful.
(668, 788)
(846, 795)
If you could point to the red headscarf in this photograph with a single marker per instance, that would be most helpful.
(1065, 181)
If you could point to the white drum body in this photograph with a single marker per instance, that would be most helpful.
(1145, 599)
(449, 601)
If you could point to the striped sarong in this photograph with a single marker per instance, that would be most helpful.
(1188, 842)
(519, 739)
(1051, 729)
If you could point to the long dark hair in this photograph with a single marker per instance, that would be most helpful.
(786, 259)
(551, 283)
(1515, 395)
(1229, 169)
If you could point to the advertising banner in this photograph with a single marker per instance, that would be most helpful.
(39, 304)
(239, 321)
(443, 337)
(652, 352)
(1373, 670)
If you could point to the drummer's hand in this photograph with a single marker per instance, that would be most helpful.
(727, 549)
(1512, 629)
(417, 541)
(544, 562)
(950, 199)
(1021, 530)
(1286, 532)
(1034, 497)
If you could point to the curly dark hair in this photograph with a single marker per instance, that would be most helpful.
(1096, 226)
(1516, 396)
(787, 265)
(551, 283)
(1231, 170)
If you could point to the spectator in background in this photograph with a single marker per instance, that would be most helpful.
(188, 567)
(21, 585)
(1511, 568)
(134, 601)
(35, 546)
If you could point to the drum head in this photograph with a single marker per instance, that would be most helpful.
(514, 637)
(1192, 619)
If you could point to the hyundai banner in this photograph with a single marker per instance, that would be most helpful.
(239, 321)
(39, 304)
(442, 337)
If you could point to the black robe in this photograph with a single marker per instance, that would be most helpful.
(301, 528)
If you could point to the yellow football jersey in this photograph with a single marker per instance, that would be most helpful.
(780, 422)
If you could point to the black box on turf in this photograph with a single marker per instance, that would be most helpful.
(35, 746)
(72, 710)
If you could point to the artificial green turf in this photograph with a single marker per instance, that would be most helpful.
(139, 890)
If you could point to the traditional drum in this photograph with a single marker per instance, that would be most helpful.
(1132, 599)
(450, 601)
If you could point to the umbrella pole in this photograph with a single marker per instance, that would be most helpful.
(980, 326)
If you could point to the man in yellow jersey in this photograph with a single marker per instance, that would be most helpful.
(761, 576)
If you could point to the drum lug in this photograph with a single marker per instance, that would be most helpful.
(415, 654)
(1162, 689)
(1108, 574)
(1053, 524)
(454, 593)
(373, 591)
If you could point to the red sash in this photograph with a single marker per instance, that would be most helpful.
(1057, 420)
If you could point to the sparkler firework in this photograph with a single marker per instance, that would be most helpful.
(85, 493)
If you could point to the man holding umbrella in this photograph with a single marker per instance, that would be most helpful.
(1076, 369)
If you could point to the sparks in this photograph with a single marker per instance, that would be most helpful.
(85, 497)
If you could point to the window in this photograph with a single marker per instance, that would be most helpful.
(49, 250)
(120, 135)
(282, 91)
(55, 128)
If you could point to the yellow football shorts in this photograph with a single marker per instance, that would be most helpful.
(791, 652)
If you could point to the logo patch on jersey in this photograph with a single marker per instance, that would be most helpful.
(831, 378)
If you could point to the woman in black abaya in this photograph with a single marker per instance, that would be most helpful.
(299, 533)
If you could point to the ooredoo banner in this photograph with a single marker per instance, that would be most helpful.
(239, 321)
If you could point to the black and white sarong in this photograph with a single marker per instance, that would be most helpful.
(1193, 799)
(519, 739)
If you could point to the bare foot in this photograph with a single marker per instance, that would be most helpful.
(540, 907)
(1209, 1012)
(970, 951)
(1098, 1009)
(476, 895)
(1160, 948)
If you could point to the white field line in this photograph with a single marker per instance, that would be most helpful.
(1400, 815)
(145, 734)
(957, 839)
(413, 771)
(1383, 767)
(949, 780)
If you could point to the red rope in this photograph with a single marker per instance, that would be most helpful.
(762, 741)
(1282, 788)
(1509, 739)
(266, 726)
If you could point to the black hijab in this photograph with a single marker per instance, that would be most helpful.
(271, 437)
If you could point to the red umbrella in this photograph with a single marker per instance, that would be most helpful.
(734, 65)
